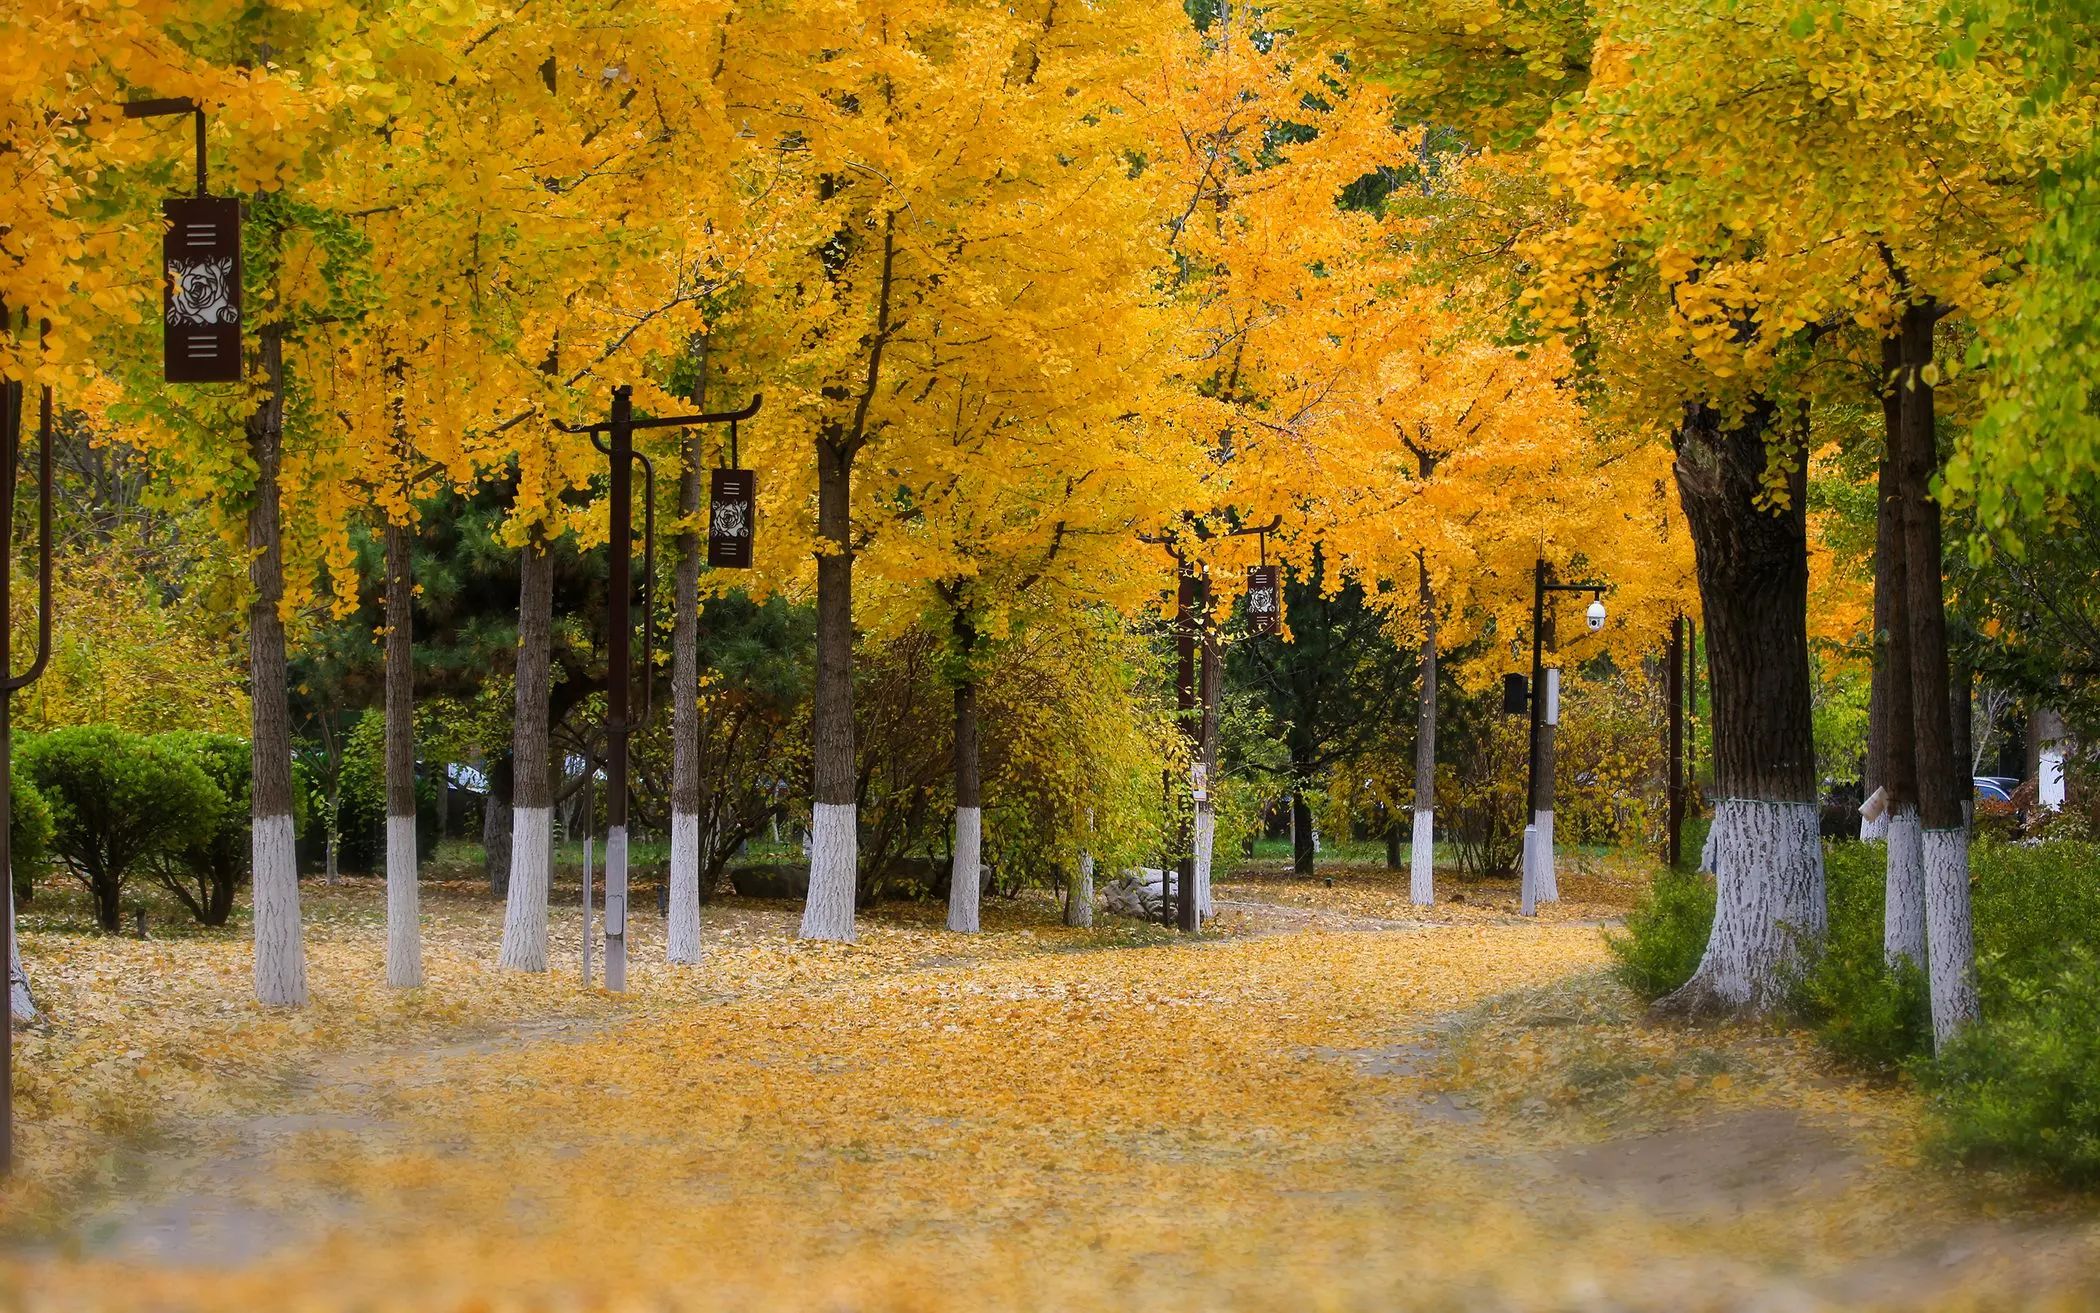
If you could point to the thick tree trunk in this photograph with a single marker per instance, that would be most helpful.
(1422, 850)
(1903, 896)
(1949, 933)
(834, 833)
(280, 944)
(1542, 882)
(682, 932)
(495, 826)
(1753, 585)
(1302, 849)
(404, 940)
(966, 872)
(532, 794)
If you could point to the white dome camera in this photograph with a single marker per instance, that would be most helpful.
(1595, 615)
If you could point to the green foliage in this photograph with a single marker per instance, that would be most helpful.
(116, 800)
(204, 872)
(1861, 1008)
(28, 834)
(1666, 933)
(2023, 1087)
(362, 818)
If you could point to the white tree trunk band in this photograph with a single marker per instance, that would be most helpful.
(834, 860)
(404, 928)
(525, 910)
(1421, 860)
(682, 934)
(280, 948)
(966, 871)
(1903, 915)
(1769, 907)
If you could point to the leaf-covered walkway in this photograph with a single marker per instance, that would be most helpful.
(1357, 1110)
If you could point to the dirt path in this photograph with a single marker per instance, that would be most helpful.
(1325, 1108)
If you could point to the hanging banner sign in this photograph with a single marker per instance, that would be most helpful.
(201, 301)
(732, 516)
(1264, 600)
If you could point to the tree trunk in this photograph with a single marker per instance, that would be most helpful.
(532, 793)
(966, 872)
(495, 825)
(404, 940)
(834, 840)
(1079, 894)
(1903, 898)
(1206, 835)
(280, 946)
(17, 978)
(1949, 933)
(1541, 881)
(1963, 711)
(1302, 851)
(1753, 585)
(1421, 853)
(683, 930)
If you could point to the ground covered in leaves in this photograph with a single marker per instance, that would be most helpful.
(1331, 1102)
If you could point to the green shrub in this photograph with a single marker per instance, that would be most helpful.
(28, 835)
(2022, 1087)
(1860, 1007)
(1666, 933)
(117, 800)
(363, 818)
(205, 872)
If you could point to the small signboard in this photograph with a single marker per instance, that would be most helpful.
(731, 519)
(1516, 695)
(201, 301)
(1264, 600)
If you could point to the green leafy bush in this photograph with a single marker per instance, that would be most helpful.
(204, 872)
(28, 835)
(1860, 1007)
(2023, 1086)
(117, 800)
(1666, 933)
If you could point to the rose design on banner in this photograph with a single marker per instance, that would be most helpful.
(731, 519)
(201, 293)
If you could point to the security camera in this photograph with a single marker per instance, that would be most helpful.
(1595, 615)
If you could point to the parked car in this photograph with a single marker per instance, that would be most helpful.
(1995, 788)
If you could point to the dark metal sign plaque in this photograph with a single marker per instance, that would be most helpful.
(201, 301)
(732, 518)
(1264, 600)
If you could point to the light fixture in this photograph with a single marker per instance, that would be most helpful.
(1595, 615)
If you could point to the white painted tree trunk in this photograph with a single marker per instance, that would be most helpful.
(404, 930)
(1949, 932)
(1528, 874)
(280, 948)
(17, 978)
(683, 931)
(1548, 880)
(1903, 918)
(589, 930)
(525, 908)
(1874, 831)
(834, 859)
(616, 908)
(966, 871)
(1768, 871)
(1206, 845)
(1079, 900)
(1421, 860)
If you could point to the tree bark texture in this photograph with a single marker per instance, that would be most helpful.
(1949, 933)
(1422, 850)
(1302, 850)
(531, 790)
(404, 944)
(682, 934)
(834, 845)
(966, 872)
(1753, 584)
(280, 945)
(1896, 768)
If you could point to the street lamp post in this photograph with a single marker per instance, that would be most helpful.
(1538, 882)
(618, 433)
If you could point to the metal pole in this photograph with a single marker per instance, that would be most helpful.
(621, 441)
(1673, 844)
(1538, 688)
(10, 436)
